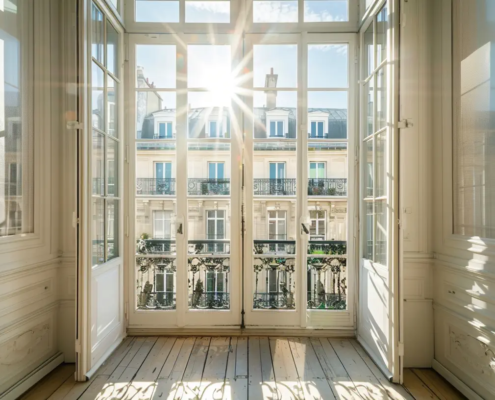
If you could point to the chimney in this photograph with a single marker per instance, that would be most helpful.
(271, 95)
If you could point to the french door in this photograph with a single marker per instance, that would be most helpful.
(242, 112)
(379, 295)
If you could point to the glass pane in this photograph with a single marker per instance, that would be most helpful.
(368, 231)
(369, 108)
(474, 118)
(155, 226)
(112, 167)
(215, 74)
(112, 107)
(329, 109)
(275, 11)
(97, 34)
(328, 65)
(326, 11)
(381, 36)
(16, 133)
(328, 178)
(207, 110)
(327, 256)
(98, 232)
(208, 11)
(381, 232)
(98, 164)
(275, 115)
(381, 160)
(368, 52)
(112, 49)
(275, 66)
(381, 98)
(368, 168)
(112, 229)
(155, 66)
(97, 100)
(157, 11)
(152, 109)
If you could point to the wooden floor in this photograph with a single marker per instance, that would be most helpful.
(239, 368)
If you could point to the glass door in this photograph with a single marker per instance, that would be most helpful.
(378, 325)
(184, 117)
(288, 175)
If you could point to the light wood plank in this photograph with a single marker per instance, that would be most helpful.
(395, 392)
(367, 385)
(236, 382)
(215, 368)
(63, 390)
(50, 383)
(337, 377)
(438, 385)
(255, 384)
(119, 384)
(192, 384)
(416, 387)
(286, 377)
(144, 383)
(311, 375)
(170, 379)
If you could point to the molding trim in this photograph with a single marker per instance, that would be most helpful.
(455, 381)
(333, 333)
(462, 270)
(32, 378)
(30, 269)
(15, 324)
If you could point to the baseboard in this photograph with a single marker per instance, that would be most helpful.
(291, 332)
(455, 381)
(32, 378)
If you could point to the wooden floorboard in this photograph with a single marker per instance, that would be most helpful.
(274, 368)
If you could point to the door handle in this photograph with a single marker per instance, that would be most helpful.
(179, 229)
(305, 229)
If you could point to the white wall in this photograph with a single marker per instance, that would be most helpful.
(36, 272)
(416, 59)
(464, 268)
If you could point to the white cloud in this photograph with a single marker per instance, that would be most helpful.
(213, 7)
(339, 48)
(275, 11)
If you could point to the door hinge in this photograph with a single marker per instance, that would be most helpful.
(400, 349)
(405, 124)
(78, 346)
(75, 220)
(126, 314)
(75, 125)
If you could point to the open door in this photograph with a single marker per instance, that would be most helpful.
(100, 307)
(379, 297)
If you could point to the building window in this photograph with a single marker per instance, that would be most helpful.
(317, 129)
(277, 170)
(317, 230)
(215, 282)
(162, 224)
(277, 228)
(216, 170)
(214, 131)
(164, 286)
(215, 230)
(163, 170)
(317, 170)
(164, 130)
(276, 129)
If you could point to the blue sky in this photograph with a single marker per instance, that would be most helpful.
(209, 67)
(263, 11)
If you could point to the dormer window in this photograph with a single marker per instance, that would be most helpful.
(164, 131)
(276, 129)
(317, 129)
(214, 129)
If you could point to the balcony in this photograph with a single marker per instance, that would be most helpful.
(275, 187)
(168, 246)
(327, 187)
(208, 187)
(155, 186)
(287, 187)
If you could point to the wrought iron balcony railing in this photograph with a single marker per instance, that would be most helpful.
(155, 186)
(208, 187)
(209, 300)
(167, 246)
(327, 187)
(274, 301)
(274, 187)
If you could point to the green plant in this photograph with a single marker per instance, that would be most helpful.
(144, 236)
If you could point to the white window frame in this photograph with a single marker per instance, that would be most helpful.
(276, 169)
(163, 219)
(319, 221)
(275, 220)
(324, 168)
